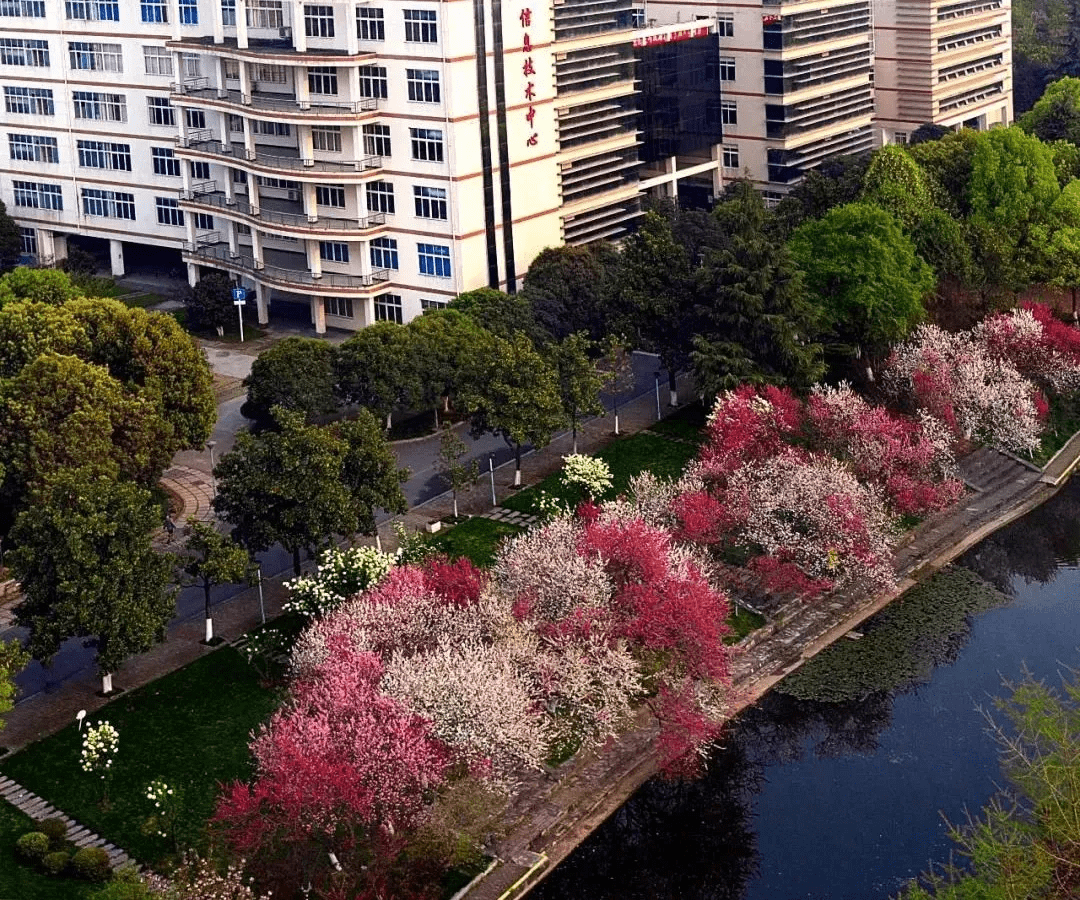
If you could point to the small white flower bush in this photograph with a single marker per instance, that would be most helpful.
(590, 474)
(342, 574)
(164, 799)
(100, 744)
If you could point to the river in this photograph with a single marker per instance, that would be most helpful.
(848, 799)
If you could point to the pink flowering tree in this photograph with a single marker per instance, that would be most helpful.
(1038, 345)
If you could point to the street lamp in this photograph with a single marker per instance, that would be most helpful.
(210, 445)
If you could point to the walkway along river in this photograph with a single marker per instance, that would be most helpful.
(555, 815)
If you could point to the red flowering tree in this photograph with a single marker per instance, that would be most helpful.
(1037, 344)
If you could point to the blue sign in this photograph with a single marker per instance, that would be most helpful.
(239, 294)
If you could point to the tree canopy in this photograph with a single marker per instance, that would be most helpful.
(568, 289)
(296, 373)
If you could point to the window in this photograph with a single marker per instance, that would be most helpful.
(725, 24)
(729, 112)
(97, 57)
(189, 12)
(108, 204)
(388, 308)
(159, 111)
(29, 101)
(165, 162)
(432, 304)
(38, 196)
(158, 61)
(420, 26)
(373, 81)
(278, 129)
(228, 13)
(169, 211)
(901, 137)
(23, 52)
(28, 236)
(265, 74)
(100, 106)
(31, 9)
(239, 176)
(155, 10)
(370, 25)
(236, 123)
(200, 171)
(33, 148)
(339, 306)
(281, 184)
(326, 138)
(191, 65)
(434, 260)
(332, 251)
(427, 144)
(423, 85)
(731, 157)
(203, 221)
(105, 155)
(772, 199)
(376, 140)
(384, 254)
(322, 79)
(727, 68)
(430, 202)
(265, 14)
(195, 118)
(319, 21)
(330, 195)
(93, 10)
(380, 197)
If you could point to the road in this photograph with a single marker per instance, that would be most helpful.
(75, 658)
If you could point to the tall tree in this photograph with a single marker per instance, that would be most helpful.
(442, 343)
(617, 364)
(896, 183)
(29, 328)
(296, 373)
(568, 288)
(500, 313)
(514, 393)
(212, 558)
(10, 240)
(375, 368)
(836, 182)
(209, 302)
(369, 470)
(44, 285)
(862, 272)
(1056, 115)
(285, 486)
(450, 466)
(580, 379)
(13, 660)
(87, 568)
(756, 323)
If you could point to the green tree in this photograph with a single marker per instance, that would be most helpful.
(755, 322)
(297, 373)
(514, 393)
(29, 328)
(568, 289)
(44, 285)
(209, 303)
(376, 369)
(500, 313)
(442, 342)
(617, 365)
(896, 183)
(285, 486)
(10, 240)
(450, 466)
(580, 379)
(862, 272)
(1056, 114)
(947, 165)
(836, 182)
(87, 568)
(212, 558)
(369, 470)
(13, 659)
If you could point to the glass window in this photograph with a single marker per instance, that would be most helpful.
(29, 101)
(334, 251)
(104, 155)
(330, 195)
(731, 157)
(203, 221)
(376, 140)
(322, 79)
(339, 306)
(165, 161)
(423, 85)
(96, 57)
(28, 237)
(388, 308)
(319, 21)
(380, 197)
(384, 253)
(200, 171)
(421, 26)
(158, 61)
(326, 138)
(33, 148)
(725, 25)
(729, 112)
(370, 25)
(38, 196)
(268, 74)
(727, 68)
(195, 118)
(191, 65)
(427, 144)
(228, 13)
(373, 81)
(265, 14)
(31, 9)
(100, 106)
(433, 304)
(155, 10)
(169, 211)
(24, 52)
(92, 10)
(189, 12)
(430, 202)
(278, 129)
(434, 260)
(108, 204)
(160, 111)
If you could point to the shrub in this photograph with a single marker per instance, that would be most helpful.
(55, 863)
(91, 864)
(126, 884)
(32, 846)
(55, 830)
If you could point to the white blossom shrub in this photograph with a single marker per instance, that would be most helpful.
(100, 743)
(342, 574)
(589, 474)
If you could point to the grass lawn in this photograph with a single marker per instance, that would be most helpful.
(628, 457)
(1062, 423)
(686, 424)
(190, 728)
(741, 624)
(19, 881)
(478, 539)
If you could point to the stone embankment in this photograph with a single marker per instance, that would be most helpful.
(556, 811)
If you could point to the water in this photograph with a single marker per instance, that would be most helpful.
(848, 800)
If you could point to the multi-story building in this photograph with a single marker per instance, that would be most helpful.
(366, 160)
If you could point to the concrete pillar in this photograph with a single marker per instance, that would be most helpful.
(256, 247)
(352, 39)
(314, 260)
(217, 24)
(299, 33)
(116, 255)
(318, 314)
(241, 29)
(262, 302)
(174, 17)
(192, 274)
(718, 172)
(234, 237)
(46, 246)
(307, 147)
(311, 203)
(253, 193)
(245, 85)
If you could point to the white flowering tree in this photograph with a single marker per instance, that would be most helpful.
(342, 574)
(99, 747)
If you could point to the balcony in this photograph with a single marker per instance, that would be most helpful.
(283, 161)
(287, 215)
(284, 276)
(321, 106)
(270, 46)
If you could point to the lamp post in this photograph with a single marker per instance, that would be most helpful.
(210, 445)
(658, 396)
(262, 606)
(491, 470)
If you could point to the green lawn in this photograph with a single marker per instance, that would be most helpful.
(477, 538)
(628, 457)
(1063, 421)
(686, 424)
(742, 623)
(190, 728)
(19, 881)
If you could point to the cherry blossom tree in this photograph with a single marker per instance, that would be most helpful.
(1038, 345)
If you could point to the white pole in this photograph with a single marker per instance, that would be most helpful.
(106, 683)
(262, 608)
(657, 396)
(209, 630)
(240, 313)
(491, 469)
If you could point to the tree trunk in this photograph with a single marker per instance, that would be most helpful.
(446, 403)
(209, 630)
(436, 418)
(672, 387)
(296, 561)
(1074, 302)
(378, 541)
(616, 421)
(615, 408)
(455, 506)
(517, 465)
(389, 421)
(209, 620)
(575, 438)
(106, 684)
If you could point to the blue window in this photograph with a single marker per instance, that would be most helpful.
(384, 253)
(434, 260)
(154, 11)
(189, 12)
(333, 251)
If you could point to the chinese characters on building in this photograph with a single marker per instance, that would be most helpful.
(529, 71)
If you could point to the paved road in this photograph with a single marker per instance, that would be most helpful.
(75, 659)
